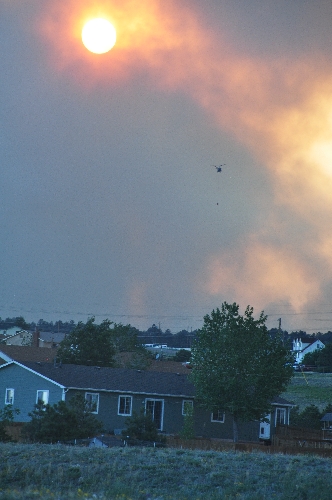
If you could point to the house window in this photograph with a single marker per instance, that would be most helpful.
(156, 409)
(187, 404)
(43, 396)
(281, 416)
(92, 399)
(124, 407)
(218, 416)
(9, 400)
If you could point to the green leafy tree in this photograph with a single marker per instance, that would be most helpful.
(7, 418)
(61, 422)
(92, 344)
(322, 358)
(237, 366)
(309, 418)
(20, 322)
(89, 344)
(125, 338)
(311, 359)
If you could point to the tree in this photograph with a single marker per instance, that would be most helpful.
(322, 358)
(311, 358)
(21, 323)
(309, 418)
(61, 422)
(125, 338)
(237, 366)
(89, 344)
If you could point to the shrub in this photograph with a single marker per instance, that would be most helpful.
(182, 355)
(6, 418)
(61, 422)
(141, 426)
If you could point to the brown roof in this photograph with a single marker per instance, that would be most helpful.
(124, 360)
(168, 366)
(45, 355)
(27, 353)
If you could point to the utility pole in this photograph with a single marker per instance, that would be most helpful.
(279, 331)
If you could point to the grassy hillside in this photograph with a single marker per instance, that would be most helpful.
(62, 473)
(310, 388)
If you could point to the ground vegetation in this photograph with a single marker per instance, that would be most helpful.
(66, 473)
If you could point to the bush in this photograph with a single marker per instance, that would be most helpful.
(61, 422)
(182, 355)
(142, 427)
(6, 418)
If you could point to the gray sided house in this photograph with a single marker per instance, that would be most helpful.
(118, 392)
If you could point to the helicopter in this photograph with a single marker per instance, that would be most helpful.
(218, 167)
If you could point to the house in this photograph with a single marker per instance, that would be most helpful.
(301, 348)
(26, 353)
(116, 393)
(8, 332)
(327, 421)
(17, 336)
(35, 339)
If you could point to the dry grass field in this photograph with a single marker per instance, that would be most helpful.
(64, 473)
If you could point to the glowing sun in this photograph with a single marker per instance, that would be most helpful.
(98, 35)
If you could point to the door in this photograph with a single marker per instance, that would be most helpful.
(156, 409)
(265, 428)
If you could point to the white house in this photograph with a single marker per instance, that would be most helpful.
(301, 348)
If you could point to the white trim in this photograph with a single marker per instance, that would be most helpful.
(219, 420)
(7, 402)
(282, 411)
(44, 391)
(5, 356)
(162, 410)
(97, 397)
(131, 405)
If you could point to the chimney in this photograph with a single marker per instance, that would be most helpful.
(35, 338)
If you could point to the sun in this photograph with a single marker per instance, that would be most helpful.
(98, 35)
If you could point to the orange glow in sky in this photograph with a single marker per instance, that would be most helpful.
(286, 122)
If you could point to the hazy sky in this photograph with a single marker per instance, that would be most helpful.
(110, 205)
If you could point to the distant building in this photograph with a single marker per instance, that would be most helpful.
(33, 339)
(301, 348)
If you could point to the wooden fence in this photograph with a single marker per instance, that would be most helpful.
(287, 440)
